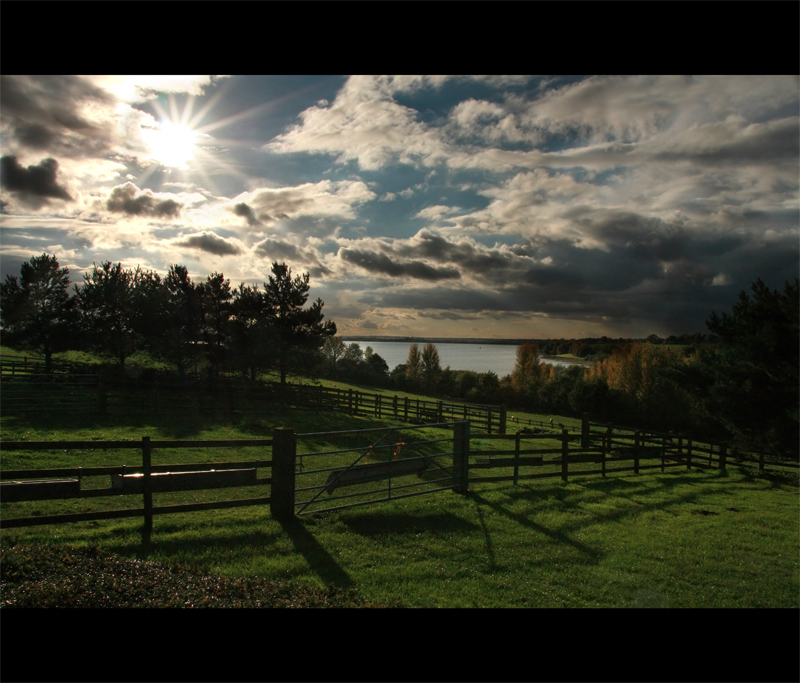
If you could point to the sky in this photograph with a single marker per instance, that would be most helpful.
(489, 206)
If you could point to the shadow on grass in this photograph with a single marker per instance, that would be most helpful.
(319, 560)
(404, 524)
(635, 492)
(591, 554)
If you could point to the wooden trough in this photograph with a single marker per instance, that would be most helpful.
(374, 472)
(39, 489)
(183, 481)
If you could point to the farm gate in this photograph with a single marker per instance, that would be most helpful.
(367, 466)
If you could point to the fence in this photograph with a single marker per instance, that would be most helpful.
(27, 486)
(406, 461)
(24, 392)
(491, 419)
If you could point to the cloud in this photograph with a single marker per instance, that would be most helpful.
(33, 185)
(381, 263)
(66, 115)
(124, 199)
(210, 242)
(364, 124)
(242, 209)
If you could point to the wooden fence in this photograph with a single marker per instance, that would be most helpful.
(469, 458)
(145, 480)
(491, 419)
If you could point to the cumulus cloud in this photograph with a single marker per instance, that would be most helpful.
(210, 242)
(383, 264)
(33, 185)
(364, 124)
(131, 200)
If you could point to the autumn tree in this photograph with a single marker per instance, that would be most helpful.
(36, 310)
(431, 366)
(414, 365)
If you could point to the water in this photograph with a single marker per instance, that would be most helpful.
(497, 358)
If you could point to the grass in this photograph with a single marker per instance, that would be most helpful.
(679, 539)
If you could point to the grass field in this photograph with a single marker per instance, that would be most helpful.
(678, 539)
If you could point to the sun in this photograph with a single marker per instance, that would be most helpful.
(172, 144)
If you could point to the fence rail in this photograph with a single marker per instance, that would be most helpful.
(365, 466)
(147, 479)
(491, 419)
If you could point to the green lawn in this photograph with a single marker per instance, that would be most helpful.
(677, 539)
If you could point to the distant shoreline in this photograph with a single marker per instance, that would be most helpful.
(440, 340)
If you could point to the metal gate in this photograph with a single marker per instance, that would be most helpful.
(368, 466)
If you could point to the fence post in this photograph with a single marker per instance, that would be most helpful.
(461, 456)
(147, 467)
(585, 431)
(284, 451)
(394, 404)
(516, 458)
(688, 454)
(405, 409)
(503, 419)
(636, 444)
(564, 452)
(723, 456)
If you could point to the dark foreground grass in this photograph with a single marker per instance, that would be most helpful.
(681, 539)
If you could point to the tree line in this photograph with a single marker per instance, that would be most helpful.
(208, 324)
(743, 387)
(740, 383)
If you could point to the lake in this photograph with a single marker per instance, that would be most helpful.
(497, 358)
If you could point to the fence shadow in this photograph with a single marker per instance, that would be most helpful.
(404, 524)
(319, 560)
(591, 554)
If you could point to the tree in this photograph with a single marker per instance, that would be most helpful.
(36, 311)
(107, 308)
(431, 366)
(215, 311)
(298, 332)
(528, 371)
(332, 350)
(182, 324)
(752, 379)
(414, 365)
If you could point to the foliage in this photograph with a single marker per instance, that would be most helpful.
(298, 333)
(36, 311)
(414, 366)
(431, 366)
(751, 382)
(108, 308)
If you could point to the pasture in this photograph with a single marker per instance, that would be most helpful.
(676, 539)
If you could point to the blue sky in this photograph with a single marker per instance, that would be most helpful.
(486, 206)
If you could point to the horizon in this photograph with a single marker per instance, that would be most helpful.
(430, 207)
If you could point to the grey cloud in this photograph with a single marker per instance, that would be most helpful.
(43, 111)
(242, 209)
(275, 250)
(381, 263)
(124, 199)
(210, 242)
(34, 184)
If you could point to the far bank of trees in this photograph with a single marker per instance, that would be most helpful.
(741, 387)
(210, 325)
